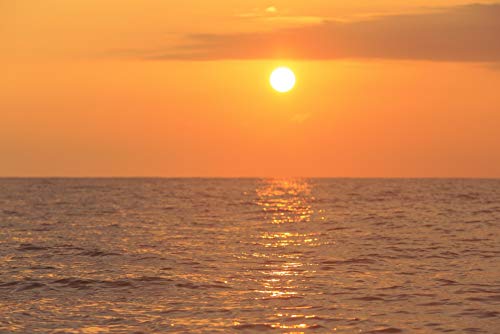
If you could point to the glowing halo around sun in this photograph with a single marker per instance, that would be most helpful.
(282, 79)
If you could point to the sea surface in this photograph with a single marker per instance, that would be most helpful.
(249, 255)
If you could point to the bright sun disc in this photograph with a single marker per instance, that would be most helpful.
(282, 79)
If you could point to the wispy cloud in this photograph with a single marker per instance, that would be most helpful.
(465, 33)
(274, 15)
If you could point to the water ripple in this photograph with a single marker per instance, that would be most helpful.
(249, 255)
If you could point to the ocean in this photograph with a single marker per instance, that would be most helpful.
(249, 255)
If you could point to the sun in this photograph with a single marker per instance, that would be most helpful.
(282, 79)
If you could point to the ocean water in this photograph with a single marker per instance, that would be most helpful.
(249, 255)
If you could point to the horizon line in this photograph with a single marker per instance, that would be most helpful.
(259, 177)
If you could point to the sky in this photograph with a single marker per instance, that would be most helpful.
(385, 88)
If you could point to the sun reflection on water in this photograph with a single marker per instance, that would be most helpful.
(286, 201)
(287, 206)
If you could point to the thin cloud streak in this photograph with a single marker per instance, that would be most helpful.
(465, 33)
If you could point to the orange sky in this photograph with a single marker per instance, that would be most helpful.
(163, 88)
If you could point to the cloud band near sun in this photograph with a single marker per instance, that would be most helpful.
(465, 33)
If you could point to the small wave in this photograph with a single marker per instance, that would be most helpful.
(24, 285)
(487, 289)
(11, 212)
(473, 222)
(215, 286)
(338, 228)
(83, 284)
(282, 297)
(368, 298)
(481, 313)
(393, 287)
(152, 279)
(8, 284)
(42, 267)
(117, 284)
(350, 261)
(96, 253)
(440, 303)
(473, 330)
(445, 281)
(68, 246)
(31, 247)
(76, 283)
(150, 257)
(468, 196)
(493, 298)
(473, 239)
(255, 327)
(386, 330)
(42, 229)
(300, 307)
(483, 211)
(187, 285)
(30, 286)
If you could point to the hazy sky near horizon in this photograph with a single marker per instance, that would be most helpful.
(166, 88)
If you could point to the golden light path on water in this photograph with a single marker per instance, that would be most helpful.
(286, 202)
